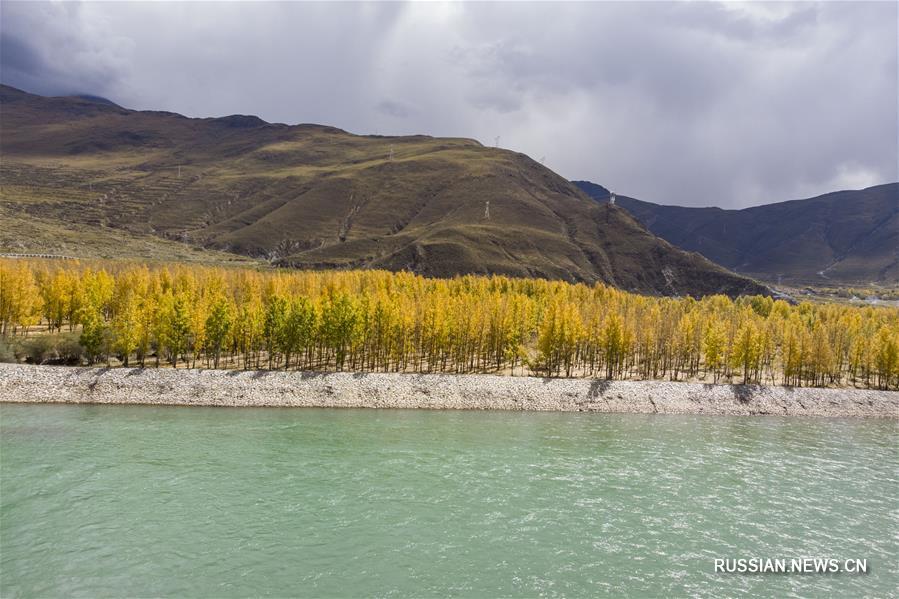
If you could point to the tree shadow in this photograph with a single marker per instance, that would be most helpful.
(598, 388)
(312, 374)
(744, 393)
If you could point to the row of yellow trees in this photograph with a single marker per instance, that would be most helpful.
(381, 321)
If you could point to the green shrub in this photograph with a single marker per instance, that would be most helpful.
(63, 348)
(37, 349)
(7, 353)
(69, 351)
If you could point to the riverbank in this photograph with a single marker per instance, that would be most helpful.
(59, 384)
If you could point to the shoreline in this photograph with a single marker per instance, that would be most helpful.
(20, 383)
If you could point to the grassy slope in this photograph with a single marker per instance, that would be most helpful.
(317, 197)
(25, 234)
(852, 237)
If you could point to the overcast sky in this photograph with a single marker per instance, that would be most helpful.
(682, 103)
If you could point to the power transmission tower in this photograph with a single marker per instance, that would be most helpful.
(496, 142)
(612, 198)
(391, 154)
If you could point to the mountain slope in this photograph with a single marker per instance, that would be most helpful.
(312, 196)
(845, 236)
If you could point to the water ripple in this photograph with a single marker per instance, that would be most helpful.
(150, 501)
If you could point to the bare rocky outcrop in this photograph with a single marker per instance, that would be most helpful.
(57, 384)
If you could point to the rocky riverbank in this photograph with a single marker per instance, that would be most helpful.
(57, 384)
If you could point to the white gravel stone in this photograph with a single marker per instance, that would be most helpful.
(59, 384)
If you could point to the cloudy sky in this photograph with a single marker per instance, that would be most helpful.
(694, 103)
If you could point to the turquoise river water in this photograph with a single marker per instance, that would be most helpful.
(100, 501)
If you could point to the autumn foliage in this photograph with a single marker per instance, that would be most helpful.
(380, 321)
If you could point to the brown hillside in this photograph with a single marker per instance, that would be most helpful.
(311, 196)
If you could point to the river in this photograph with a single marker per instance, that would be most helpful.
(102, 501)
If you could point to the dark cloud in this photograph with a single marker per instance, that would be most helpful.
(53, 49)
(693, 103)
(18, 57)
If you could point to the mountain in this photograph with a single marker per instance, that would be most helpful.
(313, 196)
(594, 190)
(845, 237)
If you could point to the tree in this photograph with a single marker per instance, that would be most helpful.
(126, 326)
(172, 326)
(746, 351)
(299, 329)
(613, 345)
(274, 326)
(886, 359)
(93, 332)
(375, 320)
(218, 326)
(714, 347)
(20, 298)
(339, 319)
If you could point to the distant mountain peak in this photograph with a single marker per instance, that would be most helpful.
(842, 237)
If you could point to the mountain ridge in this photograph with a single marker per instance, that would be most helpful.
(315, 196)
(848, 236)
